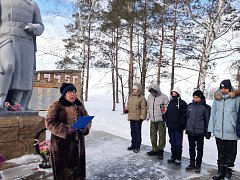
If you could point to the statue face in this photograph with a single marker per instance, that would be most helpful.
(71, 96)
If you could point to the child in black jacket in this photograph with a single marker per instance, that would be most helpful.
(198, 114)
(175, 118)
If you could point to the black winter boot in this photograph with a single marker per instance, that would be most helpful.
(152, 153)
(221, 173)
(228, 174)
(198, 168)
(191, 166)
(130, 148)
(178, 160)
(173, 157)
(171, 160)
(160, 154)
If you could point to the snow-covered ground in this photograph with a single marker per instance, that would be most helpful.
(116, 123)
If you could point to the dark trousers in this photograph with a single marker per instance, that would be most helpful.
(175, 139)
(193, 142)
(227, 152)
(136, 133)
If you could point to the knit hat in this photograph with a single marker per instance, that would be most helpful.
(66, 87)
(226, 84)
(198, 93)
(135, 87)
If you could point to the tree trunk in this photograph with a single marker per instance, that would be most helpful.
(161, 48)
(83, 72)
(116, 65)
(122, 93)
(88, 61)
(113, 89)
(113, 76)
(174, 45)
(144, 63)
(211, 34)
(130, 73)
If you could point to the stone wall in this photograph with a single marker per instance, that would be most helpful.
(17, 132)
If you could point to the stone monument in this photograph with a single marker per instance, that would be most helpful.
(20, 23)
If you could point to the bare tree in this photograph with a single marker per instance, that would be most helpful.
(174, 43)
(215, 27)
(130, 31)
(161, 45)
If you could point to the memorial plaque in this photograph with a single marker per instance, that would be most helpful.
(47, 84)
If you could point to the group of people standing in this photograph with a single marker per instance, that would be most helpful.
(198, 119)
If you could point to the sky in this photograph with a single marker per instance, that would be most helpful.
(51, 47)
(100, 103)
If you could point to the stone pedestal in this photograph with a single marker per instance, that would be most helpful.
(17, 131)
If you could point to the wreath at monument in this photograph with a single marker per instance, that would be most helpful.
(43, 149)
(14, 107)
(2, 159)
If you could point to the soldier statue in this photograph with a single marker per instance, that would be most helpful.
(20, 23)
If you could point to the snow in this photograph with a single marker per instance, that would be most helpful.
(25, 159)
(111, 152)
(99, 104)
(114, 122)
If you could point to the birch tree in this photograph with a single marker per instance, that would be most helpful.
(212, 18)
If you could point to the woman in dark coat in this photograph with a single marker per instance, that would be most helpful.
(67, 145)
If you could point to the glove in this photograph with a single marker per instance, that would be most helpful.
(208, 135)
(28, 28)
(70, 130)
(164, 117)
(84, 131)
(125, 111)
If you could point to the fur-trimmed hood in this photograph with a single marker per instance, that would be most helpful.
(218, 95)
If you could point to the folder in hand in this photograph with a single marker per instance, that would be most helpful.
(82, 122)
